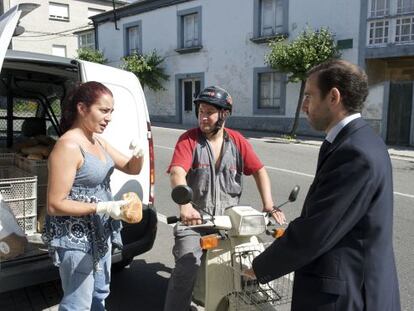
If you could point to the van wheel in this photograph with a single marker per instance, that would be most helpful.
(120, 265)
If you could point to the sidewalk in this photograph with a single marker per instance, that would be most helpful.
(394, 151)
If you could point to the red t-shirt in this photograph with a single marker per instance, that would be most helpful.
(183, 152)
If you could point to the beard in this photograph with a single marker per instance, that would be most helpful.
(319, 123)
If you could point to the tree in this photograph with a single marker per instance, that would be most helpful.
(310, 48)
(147, 68)
(91, 55)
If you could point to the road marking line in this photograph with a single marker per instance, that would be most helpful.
(404, 195)
(163, 147)
(169, 129)
(289, 171)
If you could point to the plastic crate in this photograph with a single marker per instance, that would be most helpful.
(28, 224)
(36, 167)
(19, 191)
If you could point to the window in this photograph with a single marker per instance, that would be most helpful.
(390, 24)
(269, 20)
(405, 6)
(271, 17)
(87, 40)
(92, 12)
(189, 30)
(59, 50)
(379, 8)
(59, 11)
(133, 38)
(378, 32)
(269, 91)
(404, 31)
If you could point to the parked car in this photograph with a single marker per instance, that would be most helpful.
(33, 87)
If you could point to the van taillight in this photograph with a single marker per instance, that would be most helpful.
(152, 169)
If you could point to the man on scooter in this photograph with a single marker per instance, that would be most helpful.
(211, 159)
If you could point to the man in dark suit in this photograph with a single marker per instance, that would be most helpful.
(341, 246)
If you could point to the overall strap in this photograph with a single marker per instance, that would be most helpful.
(82, 151)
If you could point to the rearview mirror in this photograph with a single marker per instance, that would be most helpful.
(294, 193)
(182, 194)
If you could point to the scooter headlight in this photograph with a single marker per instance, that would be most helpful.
(252, 225)
(246, 221)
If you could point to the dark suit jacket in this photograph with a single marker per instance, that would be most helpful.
(341, 246)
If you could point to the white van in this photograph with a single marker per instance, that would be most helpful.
(32, 88)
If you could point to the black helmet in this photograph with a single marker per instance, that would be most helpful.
(215, 96)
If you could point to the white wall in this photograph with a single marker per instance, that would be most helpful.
(228, 57)
(340, 17)
(38, 23)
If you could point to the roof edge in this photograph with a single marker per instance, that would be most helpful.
(134, 9)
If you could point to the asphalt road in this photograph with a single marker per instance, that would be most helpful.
(289, 164)
(142, 285)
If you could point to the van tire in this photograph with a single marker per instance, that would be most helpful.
(120, 265)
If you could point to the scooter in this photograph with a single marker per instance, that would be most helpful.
(220, 283)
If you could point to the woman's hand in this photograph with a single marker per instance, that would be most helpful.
(189, 215)
(137, 151)
(111, 208)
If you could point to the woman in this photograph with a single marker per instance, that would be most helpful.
(83, 220)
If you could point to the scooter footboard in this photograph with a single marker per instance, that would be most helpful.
(249, 294)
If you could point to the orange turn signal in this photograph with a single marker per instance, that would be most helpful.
(278, 233)
(209, 241)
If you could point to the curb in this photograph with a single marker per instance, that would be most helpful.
(407, 154)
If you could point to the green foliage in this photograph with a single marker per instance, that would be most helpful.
(91, 55)
(298, 56)
(147, 68)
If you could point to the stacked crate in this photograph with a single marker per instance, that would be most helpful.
(19, 191)
(36, 168)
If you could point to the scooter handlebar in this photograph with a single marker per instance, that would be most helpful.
(173, 219)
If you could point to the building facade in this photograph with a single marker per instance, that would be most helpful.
(58, 27)
(224, 43)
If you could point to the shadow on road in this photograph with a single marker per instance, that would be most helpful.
(141, 286)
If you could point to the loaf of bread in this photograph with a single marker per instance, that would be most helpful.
(38, 149)
(132, 212)
(29, 142)
(35, 156)
(46, 140)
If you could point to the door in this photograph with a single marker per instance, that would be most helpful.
(399, 113)
(189, 90)
(130, 121)
(8, 22)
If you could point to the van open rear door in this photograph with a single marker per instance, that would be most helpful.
(8, 22)
(130, 121)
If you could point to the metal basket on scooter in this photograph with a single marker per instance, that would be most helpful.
(250, 294)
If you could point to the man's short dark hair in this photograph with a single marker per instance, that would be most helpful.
(349, 79)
